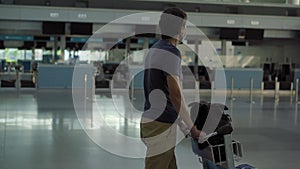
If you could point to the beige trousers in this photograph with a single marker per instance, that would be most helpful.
(160, 139)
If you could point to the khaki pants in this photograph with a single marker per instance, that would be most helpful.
(160, 139)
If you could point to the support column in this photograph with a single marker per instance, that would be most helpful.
(55, 48)
(197, 43)
(223, 47)
(32, 59)
(62, 46)
(127, 49)
(145, 47)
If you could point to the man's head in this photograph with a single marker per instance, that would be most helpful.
(172, 23)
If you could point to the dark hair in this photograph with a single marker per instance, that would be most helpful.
(171, 21)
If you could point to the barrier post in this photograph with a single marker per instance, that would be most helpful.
(232, 87)
(93, 99)
(18, 79)
(132, 88)
(291, 92)
(212, 86)
(85, 94)
(276, 89)
(297, 89)
(262, 87)
(197, 84)
(111, 83)
(85, 86)
(251, 90)
(93, 89)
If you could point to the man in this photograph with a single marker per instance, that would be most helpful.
(164, 100)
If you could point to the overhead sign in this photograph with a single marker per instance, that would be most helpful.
(16, 37)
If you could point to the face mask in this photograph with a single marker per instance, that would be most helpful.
(183, 34)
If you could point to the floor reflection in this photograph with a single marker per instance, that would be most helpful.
(41, 129)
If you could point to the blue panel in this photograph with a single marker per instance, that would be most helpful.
(26, 65)
(141, 41)
(61, 76)
(16, 37)
(78, 39)
(297, 76)
(139, 80)
(79, 74)
(220, 79)
(94, 39)
(138, 73)
(242, 78)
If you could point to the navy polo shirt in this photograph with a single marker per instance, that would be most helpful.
(162, 60)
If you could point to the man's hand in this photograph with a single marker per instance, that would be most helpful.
(196, 134)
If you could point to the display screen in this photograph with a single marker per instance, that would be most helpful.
(81, 28)
(254, 34)
(54, 28)
(229, 33)
(238, 43)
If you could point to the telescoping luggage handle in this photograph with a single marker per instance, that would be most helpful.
(226, 129)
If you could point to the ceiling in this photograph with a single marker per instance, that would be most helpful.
(112, 3)
(254, 7)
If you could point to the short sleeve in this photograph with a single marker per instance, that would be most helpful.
(171, 66)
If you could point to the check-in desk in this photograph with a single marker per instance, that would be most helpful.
(239, 78)
(296, 76)
(17, 79)
(64, 76)
(8, 79)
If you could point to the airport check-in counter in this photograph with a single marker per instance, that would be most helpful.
(61, 76)
(241, 78)
(112, 74)
(64, 76)
(8, 79)
(296, 76)
(17, 76)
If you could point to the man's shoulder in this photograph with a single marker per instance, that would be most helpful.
(165, 45)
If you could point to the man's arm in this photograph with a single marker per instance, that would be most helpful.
(177, 100)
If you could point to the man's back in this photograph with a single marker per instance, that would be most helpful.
(163, 59)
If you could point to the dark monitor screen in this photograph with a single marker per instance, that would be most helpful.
(28, 45)
(109, 68)
(73, 45)
(238, 43)
(42, 38)
(40, 45)
(254, 34)
(285, 69)
(26, 66)
(81, 28)
(2, 45)
(229, 33)
(202, 70)
(54, 28)
(267, 67)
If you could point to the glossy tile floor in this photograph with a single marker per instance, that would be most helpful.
(39, 129)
